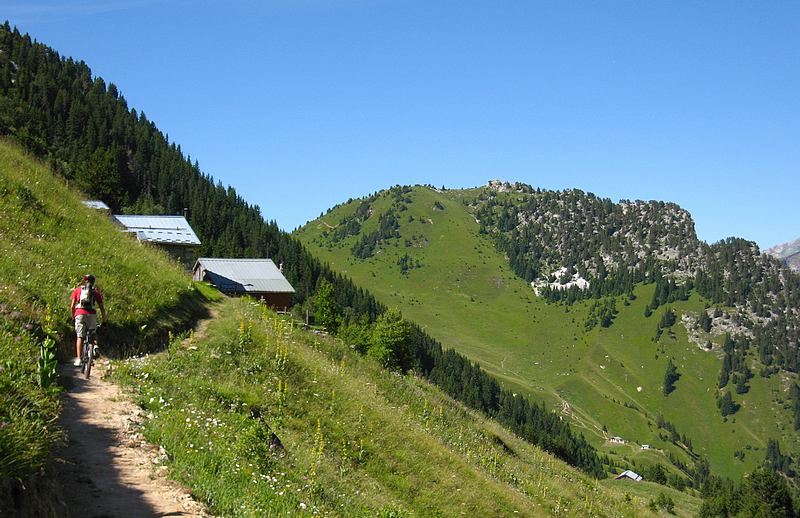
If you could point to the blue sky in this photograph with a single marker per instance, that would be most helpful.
(303, 104)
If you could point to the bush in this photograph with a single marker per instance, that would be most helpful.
(391, 341)
(664, 502)
(356, 335)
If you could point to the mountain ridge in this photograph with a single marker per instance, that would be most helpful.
(444, 258)
(788, 252)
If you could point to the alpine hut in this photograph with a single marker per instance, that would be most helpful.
(259, 278)
(630, 475)
(173, 234)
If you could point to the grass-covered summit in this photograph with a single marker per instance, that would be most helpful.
(446, 259)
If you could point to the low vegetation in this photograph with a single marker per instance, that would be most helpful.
(319, 429)
(399, 345)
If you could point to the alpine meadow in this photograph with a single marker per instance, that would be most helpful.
(614, 314)
(497, 350)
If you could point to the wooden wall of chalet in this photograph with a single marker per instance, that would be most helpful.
(277, 301)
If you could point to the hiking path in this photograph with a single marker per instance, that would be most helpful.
(107, 468)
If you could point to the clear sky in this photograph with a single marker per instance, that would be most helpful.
(302, 104)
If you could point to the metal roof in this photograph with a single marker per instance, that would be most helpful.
(245, 275)
(96, 204)
(173, 230)
(629, 474)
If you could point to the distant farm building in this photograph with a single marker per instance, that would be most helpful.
(259, 278)
(617, 440)
(629, 475)
(173, 234)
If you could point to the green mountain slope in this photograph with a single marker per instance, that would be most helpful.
(429, 258)
(354, 439)
(48, 241)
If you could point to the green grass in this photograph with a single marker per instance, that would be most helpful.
(466, 296)
(48, 241)
(357, 440)
(649, 491)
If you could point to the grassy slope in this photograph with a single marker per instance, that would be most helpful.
(48, 240)
(358, 440)
(466, 296)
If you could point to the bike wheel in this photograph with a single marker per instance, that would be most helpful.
(87, 359)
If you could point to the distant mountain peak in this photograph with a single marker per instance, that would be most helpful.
(789, 253)
(503, 186)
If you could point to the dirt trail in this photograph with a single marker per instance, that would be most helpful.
(108, 468)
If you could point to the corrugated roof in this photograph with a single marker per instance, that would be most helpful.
(245, 275)
(629, 474)
(159, 229)
(96, 204)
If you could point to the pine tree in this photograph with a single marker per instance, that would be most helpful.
(766, 493)
(668, 319)
(726, 405)
(725, 373)
(704, 322)
(670, 377)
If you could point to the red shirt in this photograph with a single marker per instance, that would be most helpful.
(76, 296)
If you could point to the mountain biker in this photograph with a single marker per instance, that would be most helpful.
(82, 306)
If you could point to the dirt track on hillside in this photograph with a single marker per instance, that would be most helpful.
(107, 467)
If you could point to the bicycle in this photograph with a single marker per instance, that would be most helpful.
(88, 353)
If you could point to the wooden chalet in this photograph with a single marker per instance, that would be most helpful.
(258, 278)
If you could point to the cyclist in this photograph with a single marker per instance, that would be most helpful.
(82, 306)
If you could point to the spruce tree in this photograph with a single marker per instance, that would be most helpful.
(670, 377)
(726, 405)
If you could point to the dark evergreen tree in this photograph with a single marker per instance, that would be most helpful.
(704, 321)
(794, 395)
(775, 460)
(767, 494)
(725, 373)
(721, 498)
(726, 405)
(668, 319)
(670, 377)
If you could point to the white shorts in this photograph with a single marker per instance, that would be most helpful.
(84, 324)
